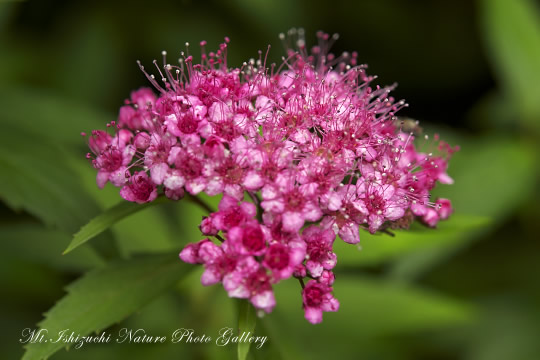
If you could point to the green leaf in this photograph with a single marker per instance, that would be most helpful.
(34, 242)
(246, 323)
(34, 178)
(107, 219)
(40, 112)
(510, 320)
(376, 249)
(106, 296)
(369, 310)
(512, 32)
(493, 175)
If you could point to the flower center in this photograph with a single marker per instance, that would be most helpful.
(188, 124)
(226, 130)
(141, 188)
(375, 203)
(189, 166)
(111, 160)
(313, 296)
(226, 264)
(258, 282)
(232, 217)
(294, 200)
(277, 257)
(253, 239)
(317, 250)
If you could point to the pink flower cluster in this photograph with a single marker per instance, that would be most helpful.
(316, 150)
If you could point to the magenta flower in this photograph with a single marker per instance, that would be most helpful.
(249, 239)
(232, 214)
(296, 203)
(382, 203)
(188, 169)
(136, 115)
(190, 253)
(139, 189)
(113, 156)
(317, 297)
(251, 281)
(282, 259)
(320, 255)
(300, 153)
(347, 219)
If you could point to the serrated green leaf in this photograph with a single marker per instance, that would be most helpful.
(512, 32)
(246, 323)
(34, 242)
(376, 249)
(107, 219)
(106, 296)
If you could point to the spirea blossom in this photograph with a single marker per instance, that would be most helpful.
(315, 147)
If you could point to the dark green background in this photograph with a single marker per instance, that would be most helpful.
(470, 70)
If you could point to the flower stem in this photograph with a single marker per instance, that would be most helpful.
(246, 323)
(219, 238)
(257, 203)
(201, 203)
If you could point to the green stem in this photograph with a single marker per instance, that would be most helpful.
(246, 324)
(257, 203)
(202, 204)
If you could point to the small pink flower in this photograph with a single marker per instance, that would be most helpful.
(188, 169)
(113, 156)
(156, 156)
(248, 239)
(190, 253)
(185, 116)
(382, 203)
(444, 208)
(320, 255)
(317, 297)
(217, 263)
(251, 281)
(441, 210)
(232, 214)
(282, 259)
(136, 116)
(139, 189)
(207, 225)
(228, 176)
(296, 203)
(345, 221)
(327, 277)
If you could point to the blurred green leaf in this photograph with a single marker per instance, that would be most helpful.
(192, 215)
(34, 177)
(38, 244)
(107, 219)
(50, 116)
(149, 230)
(106, 296)
(246, 324)
(382, 248)
(515, 325)
(493, 176)
(369, 310)
(512, 33)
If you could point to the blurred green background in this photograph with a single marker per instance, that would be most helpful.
(470, 70)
